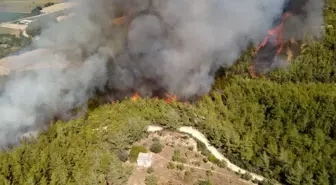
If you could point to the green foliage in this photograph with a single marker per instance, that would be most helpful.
(151, 180)
(156, 147)
(204, 182)
(122, 155)
(208, 173)
(246, 176)
(10, 44)
(187, 176)
(135, 150)
(212, 159)
(180, 167)
(171, 166)
(150, 170)
(156, 139)
(315, 63)
(219, 163)
(282, 127)
(48, 4)
(176, 156)
(275, 129)
(36, 11)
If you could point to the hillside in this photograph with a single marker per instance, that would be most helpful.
(281, 126)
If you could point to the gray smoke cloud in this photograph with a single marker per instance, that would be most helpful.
(307, 19)
(172, 46)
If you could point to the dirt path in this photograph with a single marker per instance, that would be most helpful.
(198, 135)
(191, 166)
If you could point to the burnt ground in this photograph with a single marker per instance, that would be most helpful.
(194, 168)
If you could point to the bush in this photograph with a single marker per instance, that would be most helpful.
(49, 4)
(122, 155)
(212, 159)
(197, 163)
(204, 182)
(151, 180)
(221, 163)
(208, 173)
(246, 176)
(267, 182)
(156, 139)
(36, 11)
(150, 170)
(171, 166)
(183, 160)
(135, 152)
(176, 156)
(156, 147)
(180, 167)
(187, 175)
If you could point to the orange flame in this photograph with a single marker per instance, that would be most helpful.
(170, 98)
(252, 71)
(278, 32)
(119, 20)
(135, 97)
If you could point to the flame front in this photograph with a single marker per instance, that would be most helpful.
(167, 99)
(135, 97)
(277, 34)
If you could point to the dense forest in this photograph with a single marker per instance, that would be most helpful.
(281, 125)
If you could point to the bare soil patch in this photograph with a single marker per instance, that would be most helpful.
(188, 170)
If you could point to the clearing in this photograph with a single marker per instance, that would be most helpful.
(190, 167)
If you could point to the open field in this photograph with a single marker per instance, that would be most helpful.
(15, 6)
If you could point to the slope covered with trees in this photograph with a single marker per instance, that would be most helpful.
(281, 126)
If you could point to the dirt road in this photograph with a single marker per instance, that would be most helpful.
(198, 135)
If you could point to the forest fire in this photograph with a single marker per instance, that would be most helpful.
(273, 46)
(169, 98)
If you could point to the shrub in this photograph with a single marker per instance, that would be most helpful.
(156, 139)
(187, 175)
(208, 173)
(122, 155)
(180, 167)
(171, 166)
(183, 160)
(156, 147)
(151, 180)
(204, 182)
(150, 170)
(197, 163)
(221, 163)
(49, 4)
(267, 182)
(177, 156)
(246, 176)
(135, 152)
(213, 159)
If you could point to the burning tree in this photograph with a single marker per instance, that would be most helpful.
(282, 39)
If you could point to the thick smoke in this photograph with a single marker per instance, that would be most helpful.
(172, 46)
(304, 22)
(306, 19)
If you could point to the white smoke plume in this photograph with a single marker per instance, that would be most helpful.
(172, 46)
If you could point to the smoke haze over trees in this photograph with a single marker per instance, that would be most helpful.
(281, 127)
(176, 51)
